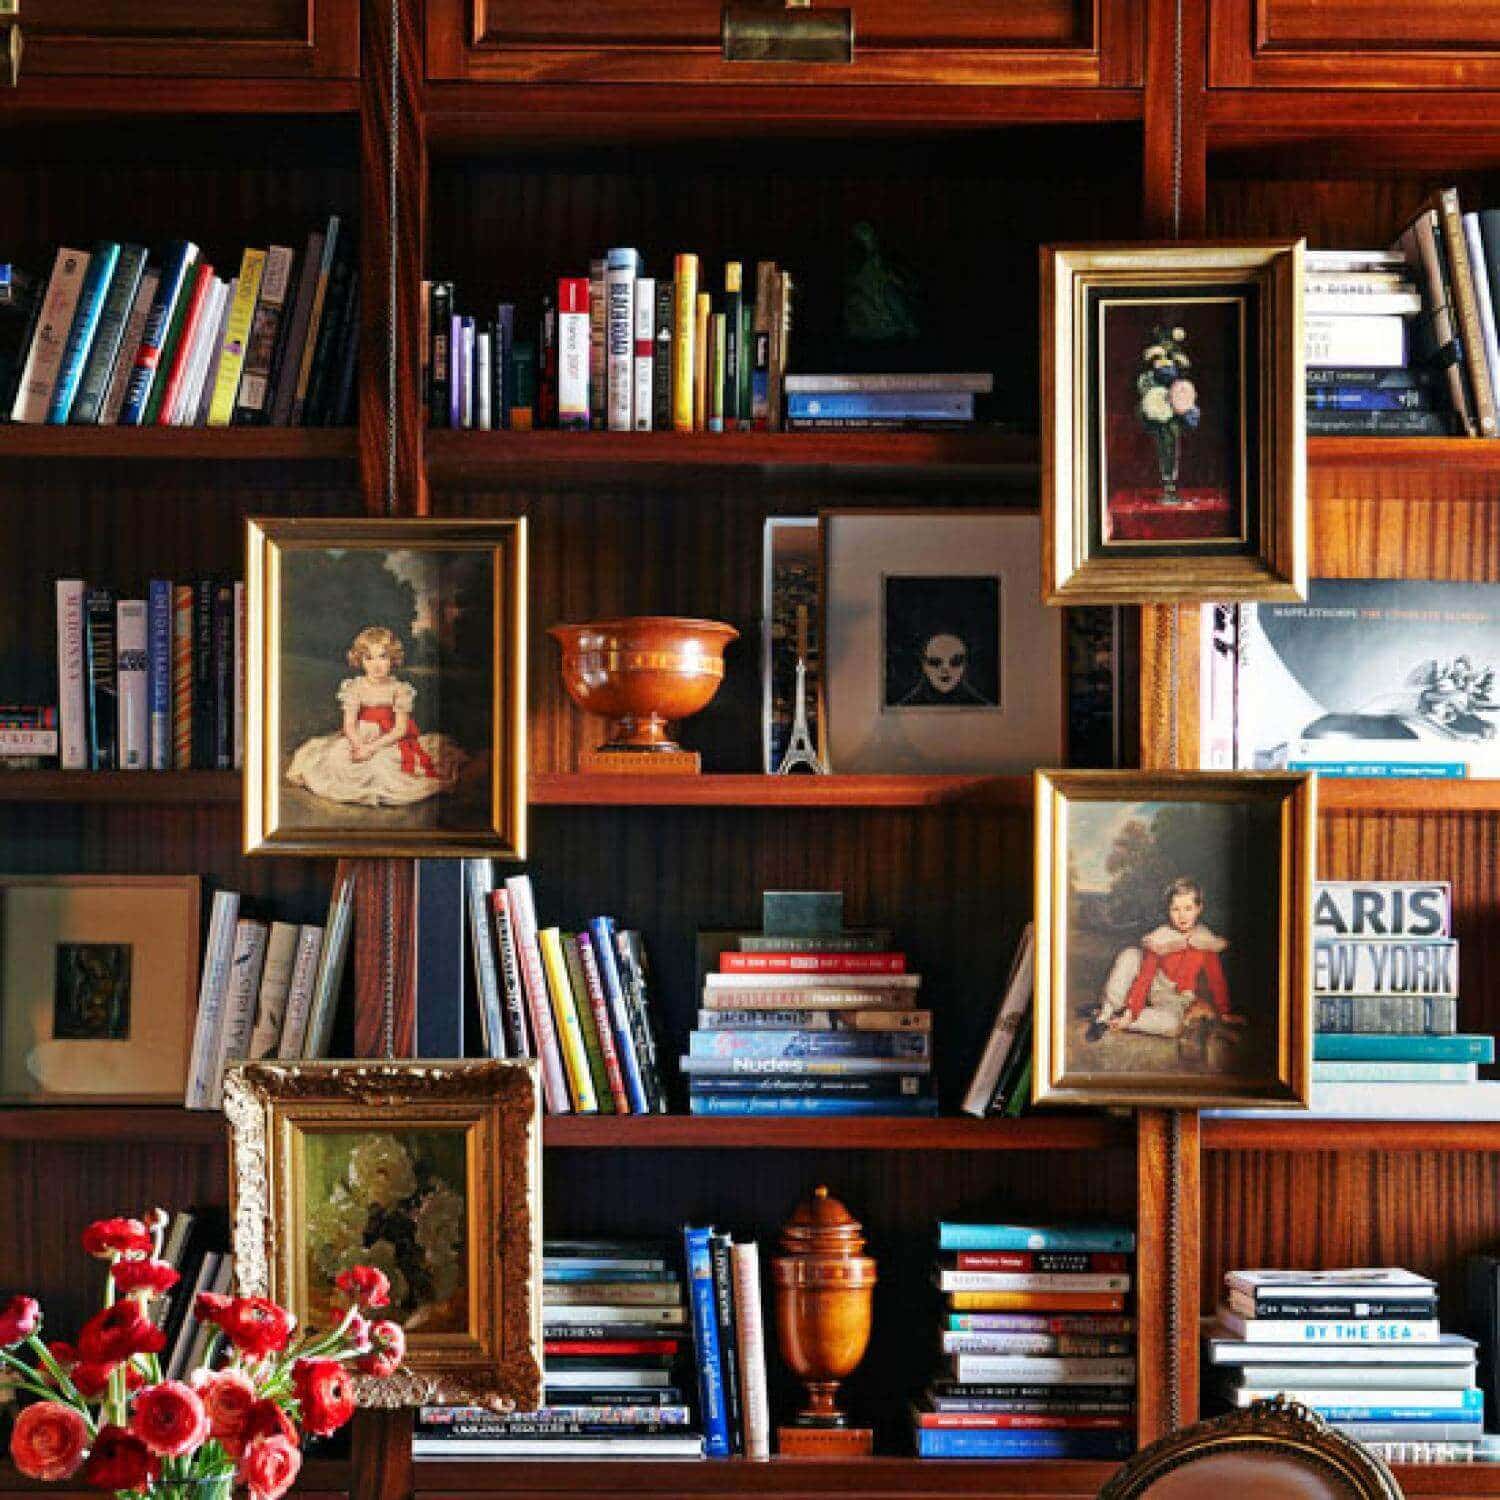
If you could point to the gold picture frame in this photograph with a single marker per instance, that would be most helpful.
(1130, 536)
(315, 609)
(309, 1138)
(1164, 974)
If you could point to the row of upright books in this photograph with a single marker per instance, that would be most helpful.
(115, 338)
(1037, 1344)
(617, 350)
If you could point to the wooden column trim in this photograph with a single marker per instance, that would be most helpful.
(1172, 131)
(1158, 1290)
(370, 926)
(381, 1465)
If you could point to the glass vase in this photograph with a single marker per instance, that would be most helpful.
(207, 1487)
(1168, 459)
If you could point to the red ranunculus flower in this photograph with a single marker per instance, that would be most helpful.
(119, 1461)
(151, 1276)
(106, 1237)
(228, 1398)
(169, 1419)
(357, 1331)
(20, 1317)
(365, 1286)
(267, 1419)
(118, 1332)
(326, 1393)
(65, 1355)
(254, 1325)
(387, 1350)
(49, 1441)
(210, 1307)
(91, 1380)
(268, 1467)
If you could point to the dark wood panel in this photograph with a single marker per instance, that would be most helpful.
(1079, 42)
(1449, 44)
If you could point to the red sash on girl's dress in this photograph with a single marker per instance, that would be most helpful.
(415, 761)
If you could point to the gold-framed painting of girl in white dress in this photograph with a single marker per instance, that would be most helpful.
(386, 693)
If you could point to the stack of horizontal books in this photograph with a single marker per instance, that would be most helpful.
(616, 1348)
(1362, 1348)
(1038, 1346)
(937, 403)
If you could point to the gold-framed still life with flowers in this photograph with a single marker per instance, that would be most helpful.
(1174, 452)
(1174, 938)
(386, 687)
(429, 1172)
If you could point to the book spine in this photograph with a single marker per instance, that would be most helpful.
(1379, 423)
(815, 1020)
(546, 391)
(159, 674)
(781, 347)
(1330, 339)
(1365, 398)
(573, 353)
(439, 397)
(715, 399)
(999, 1046)
(103, 684)
(1039, 1260)
(1475, 246)
(1330, 1047)
(1394, 1072)
(661, 362)
(81, 333)
(709, 1359)
(239, 1004)
(973, 1369)
(300, 993)
(760, 374)
(732, 962)
(1338, 1309)
(644, 348)
(632, 958)
(49, 337)
(505, 361)
(720, 1247)
(702, 319)
(203, 674)
(874, 940)
(106, 351)
(1420, 243)
(684, 333)
(1046, 1345)
(253, 399)
(331, 960)
(239, 685)
(622, 267)
(275, 987)
(1466, 304)
(598, 343)
(223, 678)
(1034, 1445)
(315, 317)
(183, 596)
(513, 1018)
(456, 372)
(72, 714)
(538, 1008)
(747, 361)
(1408, 379)
(478, 895)
(799, 1045)
(569, 1029)
(523, 357)
(593, 986)
(602, 940)
(131, 665)
(734, 307)
(583, 1004)
(334, 353)
(1387, 1014)
(118, 380)
(750, 1333)
(213, 986)
(236, 340)
(1033, 1281)
(952, 1236)
(768, 1105)
(484, 379)
(1386, 966)
(466, 374)
(186, 316)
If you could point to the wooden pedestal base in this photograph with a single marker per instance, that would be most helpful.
(644, 763)
(825, 1442)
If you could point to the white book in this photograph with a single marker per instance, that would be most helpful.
(586, 1313)
(130, 343)
(130, 674)
(1383, 1101)
(1032, 1281)
(1035, 1369)
(1449, 1349)
(479, 882)
(239, 1005)
(1013, 1009)
(275, 987)
(72, 722)
(654, 1445)
(1386, 1282)
(1382, 908)
(241, 627)
(50, 336)
(1482, 296)
(1334, 341)
(1363, 304)
(621, 269)
(1324, 261)
(483, 378)
(871, 983)
(573, 353)
(1357, 283)
(1355, 1378)
(1415, 1073)
(1449, 1399)
(184, 406)
(1217, 659)
(466, 366)
(330, 976)
(749, 1325)
(609, 1377)
(1328, 1332)
(645, 349)
(1385, 966)
(538, 1005)
(213, 988)
(300, 992)
(207, 351)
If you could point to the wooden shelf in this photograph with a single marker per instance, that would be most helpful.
(1352, 794)
(134, 787)
(474, 456)
(1318, 1134)
(958, 1133)
(1467, 454)
(564, 790)
(121, 1124)
(196, 444)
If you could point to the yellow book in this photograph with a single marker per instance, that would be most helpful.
(236, 333)
(716, 373)
(569, 1030)
(700, 361)
(1037, 1301)
(684, 315)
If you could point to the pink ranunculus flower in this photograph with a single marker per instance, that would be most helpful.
(227, 1398)
(1183, 395)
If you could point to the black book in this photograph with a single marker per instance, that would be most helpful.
(1482, 1285)
(635, 976)
(1006, 1391)
(330, 334)
(598, 1395)
(342, 411)
(203, 674)
(439, 926)
(223, 677)
(1408, 379)
(103, 680)
(1379, 424)
(729, 1375)
(440, 325)
(661, 359)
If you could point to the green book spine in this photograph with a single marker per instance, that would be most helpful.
(169, 349)
(586, 1020)
(747, 340)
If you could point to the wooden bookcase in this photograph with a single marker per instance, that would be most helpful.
(986, 130)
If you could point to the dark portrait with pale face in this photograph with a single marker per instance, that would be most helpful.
(942, 642)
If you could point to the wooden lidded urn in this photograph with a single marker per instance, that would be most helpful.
(824, 1294)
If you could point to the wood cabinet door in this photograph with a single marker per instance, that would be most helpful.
(1066, 43)
(192, 38)
(1412, 44)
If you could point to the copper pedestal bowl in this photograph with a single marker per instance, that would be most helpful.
(642, 674)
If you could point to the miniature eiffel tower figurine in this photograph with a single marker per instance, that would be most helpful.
(800, 750)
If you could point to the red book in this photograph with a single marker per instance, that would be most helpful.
(812, 963)
(1040, 1260)
(1009, 1421)
(611, 1347)
(178, 373)
(599, 1006)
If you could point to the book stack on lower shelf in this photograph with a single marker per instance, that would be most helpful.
(1362, 1348)
(616, 1360)
(1038, 1348)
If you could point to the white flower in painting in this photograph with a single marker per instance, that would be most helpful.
(1155, 352)
(440, 1221)
(381, 1172)
(1179, 334)
(1155, 405)
(336, 1229)
(1183, 395)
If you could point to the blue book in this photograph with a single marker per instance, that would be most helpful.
(105, 351)
(804, 1104)
(891, 406)
(1035, 1237)
(598, 1272)
(439, 925)
(81, 335)
(1039, 1443)
(1472, 1410)
(602, 936)
(782, 1044)
(1337, 1046)
(177, 265)
(1386, 770)
(159, 674)
(1365, 398)
(706, 1351)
